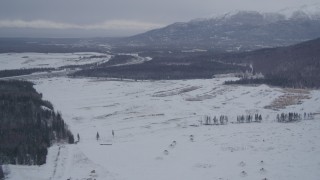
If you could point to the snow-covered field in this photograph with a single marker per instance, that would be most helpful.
(50, 60)
(148, 116)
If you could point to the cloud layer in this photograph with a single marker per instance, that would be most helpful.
(83, 18)
(107, 25)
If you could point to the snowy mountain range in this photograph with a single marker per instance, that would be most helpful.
(310, 11)
(238, 30)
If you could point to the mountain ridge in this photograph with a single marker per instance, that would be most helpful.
(236, 31)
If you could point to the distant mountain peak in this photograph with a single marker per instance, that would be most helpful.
(233, 13)
(236, 31)
(311, 11)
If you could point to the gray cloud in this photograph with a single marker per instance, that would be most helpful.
(107, 25)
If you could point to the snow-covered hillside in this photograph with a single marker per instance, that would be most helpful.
(147, 117)
(311, 11)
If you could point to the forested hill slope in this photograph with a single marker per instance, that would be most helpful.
(28, 124)
(296, 66)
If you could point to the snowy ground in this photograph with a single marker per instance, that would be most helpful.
(148, 116)
(50, 60)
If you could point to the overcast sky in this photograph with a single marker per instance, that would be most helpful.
(91, 18)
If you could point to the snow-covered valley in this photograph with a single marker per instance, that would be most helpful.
(158, 131)
(50, 60)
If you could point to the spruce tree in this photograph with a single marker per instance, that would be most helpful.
(97, 136)
(1, 173)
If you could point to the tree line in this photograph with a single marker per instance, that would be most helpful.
(293, 117)
(19, 72)
(158, 70)
(222, 120)
(249, 118)
(255, 118)
(274, 80)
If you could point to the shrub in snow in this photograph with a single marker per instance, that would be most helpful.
(174, 143)
(243, 173)
(242, 163)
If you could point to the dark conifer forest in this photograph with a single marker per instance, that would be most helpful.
(28, 124)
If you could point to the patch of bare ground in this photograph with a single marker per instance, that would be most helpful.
(142, 116)
(209, 95)
(176, 91)
(289, 98)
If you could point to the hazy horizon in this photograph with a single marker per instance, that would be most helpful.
(100, 18)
